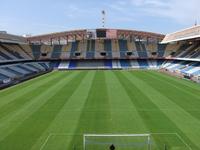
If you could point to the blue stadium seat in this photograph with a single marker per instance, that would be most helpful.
(44, 65)
(3, 77)
(72, 64)
(15, 54)
(36, 51)
(123, 48)
(108, 64)
(108, 48)
(74, 48)
(6, 57)
(12, 71)
(141, 49)
(159, 62)
(56, 51)
(161, 50)
(90, 54)
(143, 64)
(125, 63)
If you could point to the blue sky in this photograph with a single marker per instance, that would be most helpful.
(45, 16)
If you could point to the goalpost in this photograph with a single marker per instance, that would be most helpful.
(119, 141)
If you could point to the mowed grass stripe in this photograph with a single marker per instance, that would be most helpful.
(181, 97)
(32, 128)
(181, 82)
(21, 91)
(124, 115)
(19, 101)
(90, 121)
(24, 85)
(99, 102)
(142, 102)
(11, 121)
(65, 125)
(194, 92)
(181, 121)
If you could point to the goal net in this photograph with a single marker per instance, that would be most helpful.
(117, 141)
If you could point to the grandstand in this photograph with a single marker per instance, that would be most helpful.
(177, 52)
(17, 61)
(100, 102)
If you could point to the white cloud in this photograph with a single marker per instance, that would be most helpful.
(182, 11)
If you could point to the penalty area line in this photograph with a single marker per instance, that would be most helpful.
(67, 134)
(183, 141)
(45, 142)
(176, 134)
(55, 134)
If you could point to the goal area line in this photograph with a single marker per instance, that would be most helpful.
(115, 135)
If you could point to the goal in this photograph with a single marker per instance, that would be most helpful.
(119, 141)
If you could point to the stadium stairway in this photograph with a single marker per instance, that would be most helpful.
(134, 64)
(36, 51)
(56, 52)
(90, 53)
(74, 48)
(108, 48)
(123, 48)
(63, 65)
(116, 64)
(141, 50)
(161, 50)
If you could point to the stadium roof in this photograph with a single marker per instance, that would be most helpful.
(186, 34)
(9, 38)
(83, 34)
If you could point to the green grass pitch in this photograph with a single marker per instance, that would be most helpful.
(52, 112)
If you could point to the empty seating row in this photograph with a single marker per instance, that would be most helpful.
(99, 49)
(13, 52)
(110, 64)
(184, 67)
(13, 72)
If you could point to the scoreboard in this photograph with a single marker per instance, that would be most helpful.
(101, 33)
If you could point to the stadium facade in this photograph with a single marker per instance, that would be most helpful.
(24, 58)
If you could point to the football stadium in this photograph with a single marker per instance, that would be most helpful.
(100, 89)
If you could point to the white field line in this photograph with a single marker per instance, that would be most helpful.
(164, 133)
(66, 134)
(180, 138)
(183, 141)
(54, 134)
(45, 142)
